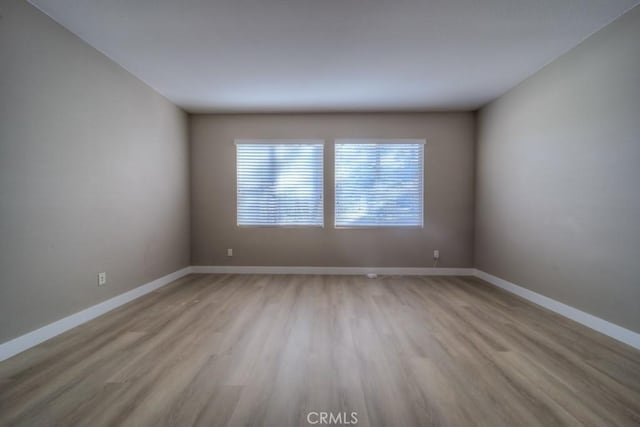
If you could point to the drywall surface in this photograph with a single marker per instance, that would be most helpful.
(558, 178)
(448, 193)
(93, 175)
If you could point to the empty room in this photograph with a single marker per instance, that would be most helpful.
(320, 212)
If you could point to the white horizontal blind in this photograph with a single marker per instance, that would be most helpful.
(379, 184)
(280, 183)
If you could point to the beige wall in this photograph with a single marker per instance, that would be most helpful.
(449, 155)
(93, 175)
(558, 178)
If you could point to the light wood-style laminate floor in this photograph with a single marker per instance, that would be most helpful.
(262, 350)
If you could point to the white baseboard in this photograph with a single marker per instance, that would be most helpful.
(33, 338)
(388, 271)
(612, 330)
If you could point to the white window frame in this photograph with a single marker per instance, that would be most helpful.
(301, 141)
(379, 141)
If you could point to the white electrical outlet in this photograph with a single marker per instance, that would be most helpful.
(436, 254)
(229, 252)
(102, 279)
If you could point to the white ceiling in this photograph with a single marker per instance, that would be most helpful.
(332, 55)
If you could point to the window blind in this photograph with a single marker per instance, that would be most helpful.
(280, 183)
(379, 183)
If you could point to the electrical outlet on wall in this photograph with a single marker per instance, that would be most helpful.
(229, 252)
(102, 279)
(436, 254)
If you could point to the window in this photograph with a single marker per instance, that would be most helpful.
(379, 183)
(280, 183)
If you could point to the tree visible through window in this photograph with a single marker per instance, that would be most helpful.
(280, 183)
(378, 183)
